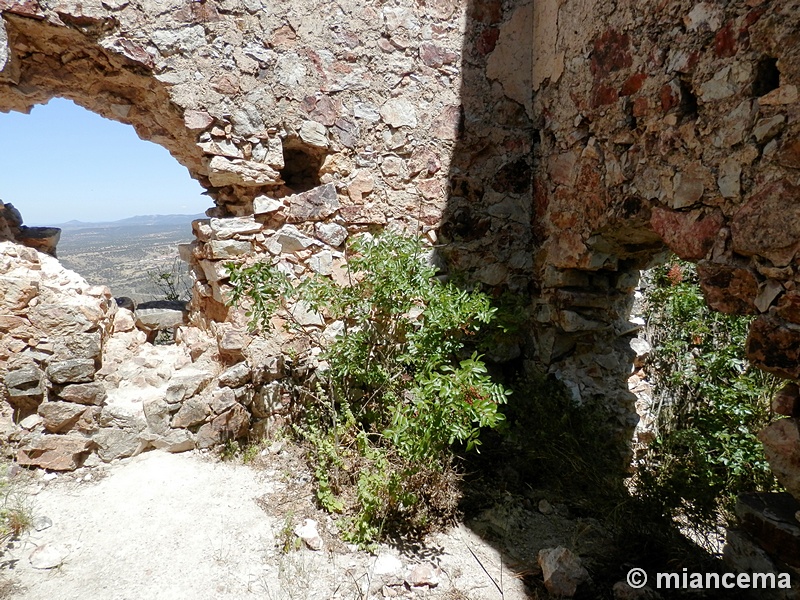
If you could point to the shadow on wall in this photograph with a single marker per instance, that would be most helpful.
(487, 223)
(487, 230)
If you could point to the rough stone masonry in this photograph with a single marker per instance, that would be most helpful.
(553, 149)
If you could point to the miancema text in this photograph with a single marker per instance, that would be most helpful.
(715, 581)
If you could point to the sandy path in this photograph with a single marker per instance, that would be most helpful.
(161, 526)
(180, 527)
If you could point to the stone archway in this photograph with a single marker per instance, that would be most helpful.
(45, 60)
(676, 127)
(235, 93)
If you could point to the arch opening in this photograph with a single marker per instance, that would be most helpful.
(46, 61)
(112, 207)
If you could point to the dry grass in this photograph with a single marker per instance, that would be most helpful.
(16, 517)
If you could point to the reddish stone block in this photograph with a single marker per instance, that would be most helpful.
(774, 347)
(641, 107)
(431, 55)
(632, 84)
(753, 16)
(670, 96)
(487, 40)
(135, 52)
(603, 95)
(611, 53)
(691, 234)
(725, 42)
(27, 8)
(731, 290)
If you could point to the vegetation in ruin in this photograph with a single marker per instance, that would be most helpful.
(171, 282)
(711, 405)
(397, 387)
(16, 514)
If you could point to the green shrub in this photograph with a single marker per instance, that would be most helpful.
(400, 384)
(713, 403)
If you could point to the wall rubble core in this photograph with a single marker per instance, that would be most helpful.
(558, 174)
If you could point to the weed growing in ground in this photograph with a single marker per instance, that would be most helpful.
(246, 453)
(287, 540)
(394, 391)
(16, 513)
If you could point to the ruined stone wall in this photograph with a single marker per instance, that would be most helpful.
(262, 102)
(306, 123)
(674, 122)
(671, 125)
(629, 130)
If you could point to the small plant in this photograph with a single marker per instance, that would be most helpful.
(16, 515)
(287, 540)
(230, 450)
(171, 282)
(233, 450)
(399, 386)
(16, 520)
(250, 453)
(712, 404)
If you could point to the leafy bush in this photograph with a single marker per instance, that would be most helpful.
(712, 404)
(395, 389)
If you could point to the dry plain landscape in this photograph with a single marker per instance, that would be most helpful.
(123, 254)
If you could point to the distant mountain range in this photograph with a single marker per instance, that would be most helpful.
(137, 221)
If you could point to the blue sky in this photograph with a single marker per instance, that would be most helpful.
(62, 162)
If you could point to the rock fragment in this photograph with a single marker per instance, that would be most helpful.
(562, 571)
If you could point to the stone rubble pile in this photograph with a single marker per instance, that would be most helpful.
(82, 379)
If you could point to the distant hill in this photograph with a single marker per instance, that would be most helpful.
(139, 220)
(127, 255)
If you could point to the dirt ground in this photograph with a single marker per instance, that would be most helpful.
(187, 526)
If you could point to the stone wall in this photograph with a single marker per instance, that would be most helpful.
(674, 123)
(306, 124)
(629, 130)
(669, 125)
(264, 102)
